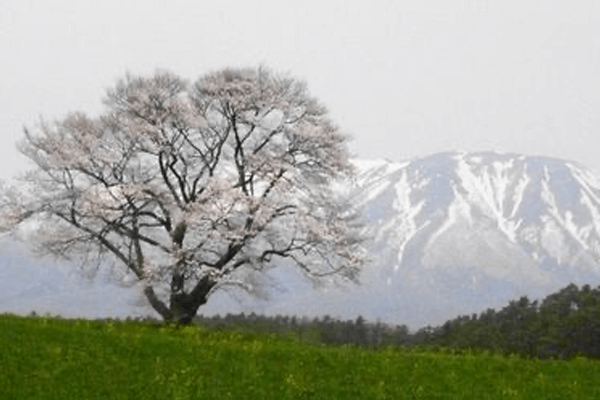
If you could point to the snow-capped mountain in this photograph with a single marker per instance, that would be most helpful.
(450, 234)
(496, 213)
(476, 230)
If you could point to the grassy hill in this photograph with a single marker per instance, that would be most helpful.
(53, 358)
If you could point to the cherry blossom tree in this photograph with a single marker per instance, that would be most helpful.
(185, 185)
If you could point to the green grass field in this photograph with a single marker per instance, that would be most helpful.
(50, 358)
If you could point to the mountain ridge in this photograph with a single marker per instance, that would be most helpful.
(526, 223)
(438, 187)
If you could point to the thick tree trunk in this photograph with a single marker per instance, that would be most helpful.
(184, 306)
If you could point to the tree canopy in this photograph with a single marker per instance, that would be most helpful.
(186, 184)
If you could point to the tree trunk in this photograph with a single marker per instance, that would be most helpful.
(184, 306)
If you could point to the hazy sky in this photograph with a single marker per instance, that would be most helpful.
(405, 78)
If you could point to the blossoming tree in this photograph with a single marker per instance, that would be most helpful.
(186, 184)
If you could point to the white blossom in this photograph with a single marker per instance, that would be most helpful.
(189, 184)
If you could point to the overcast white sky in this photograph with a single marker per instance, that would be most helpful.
(406, 78)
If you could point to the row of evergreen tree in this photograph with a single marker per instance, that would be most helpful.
(564, 325)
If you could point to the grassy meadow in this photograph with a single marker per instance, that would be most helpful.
(53, 358)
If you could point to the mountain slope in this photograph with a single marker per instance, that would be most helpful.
(470, 230)
(467, 209)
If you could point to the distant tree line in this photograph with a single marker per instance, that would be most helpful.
(565, 324)
(324, 330)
